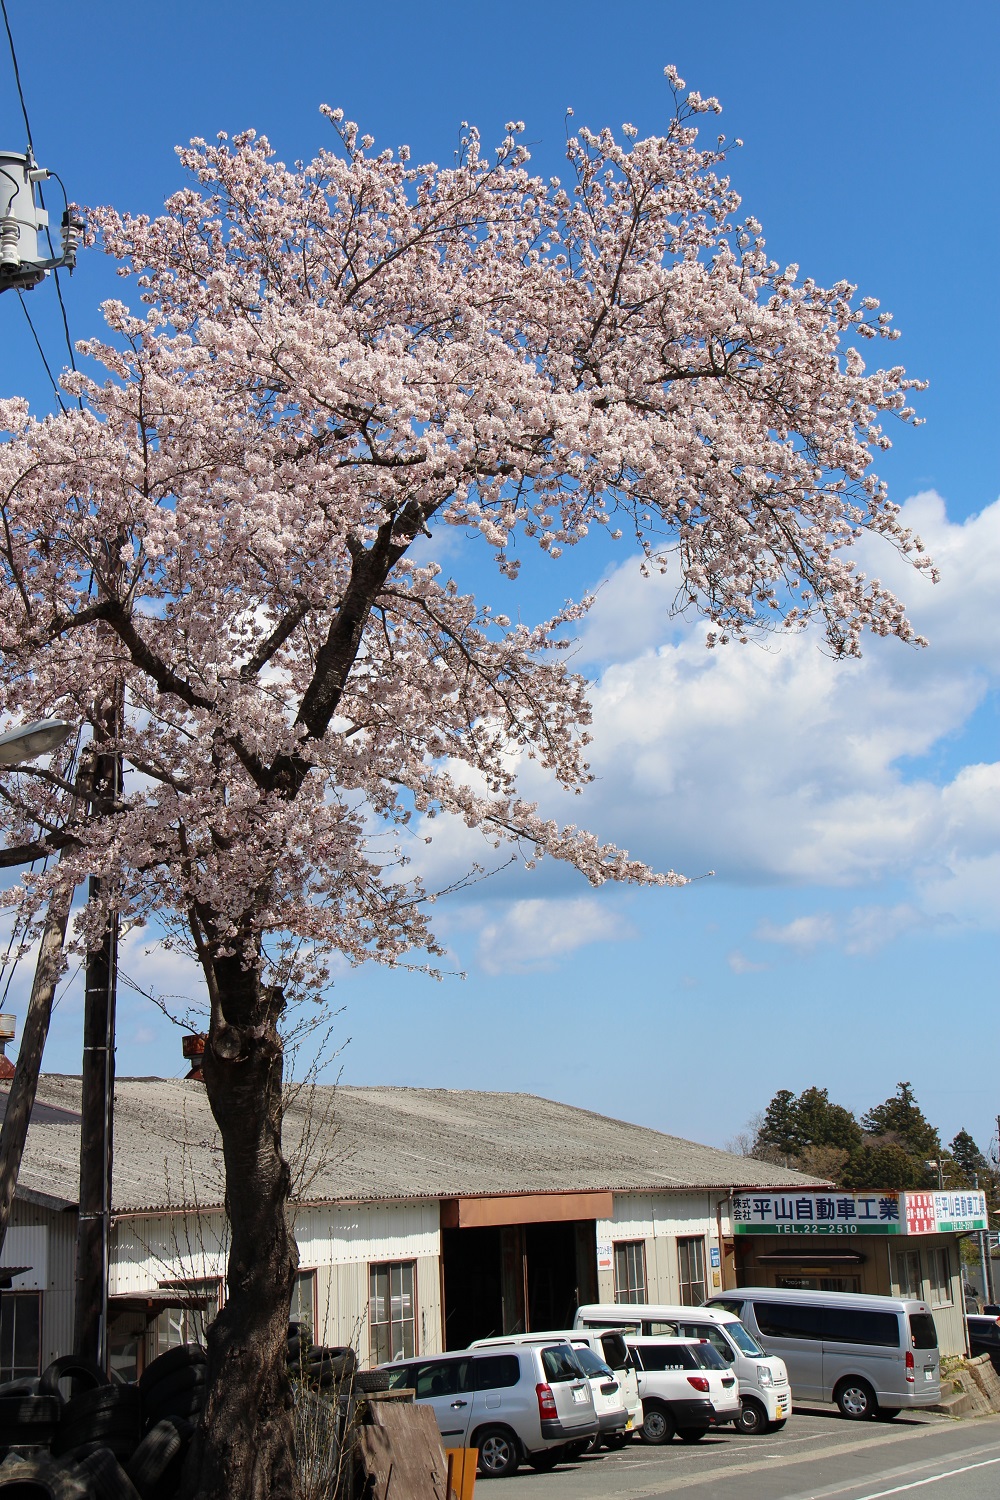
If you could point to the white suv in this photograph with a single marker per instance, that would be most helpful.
(685, 1386)
(513, 1403)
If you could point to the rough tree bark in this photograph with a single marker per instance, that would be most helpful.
(245, 1443)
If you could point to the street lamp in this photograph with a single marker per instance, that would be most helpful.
(33, 740)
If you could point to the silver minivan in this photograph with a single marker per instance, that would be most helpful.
(873, 1356)
(525, 1401)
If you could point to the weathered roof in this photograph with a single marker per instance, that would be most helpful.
(365, 1144)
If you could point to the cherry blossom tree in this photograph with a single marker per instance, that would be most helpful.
(333, 362)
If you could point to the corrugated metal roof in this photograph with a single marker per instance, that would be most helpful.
(365, 1144)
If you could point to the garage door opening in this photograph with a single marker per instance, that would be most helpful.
(516, 1278)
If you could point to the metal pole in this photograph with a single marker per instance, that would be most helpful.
(90, 1339)
(983, 1263)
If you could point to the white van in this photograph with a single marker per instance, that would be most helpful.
(765, 1397)
(873, 1356)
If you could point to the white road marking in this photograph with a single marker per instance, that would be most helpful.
(916, 1483)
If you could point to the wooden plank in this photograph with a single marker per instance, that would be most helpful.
(402, 1453)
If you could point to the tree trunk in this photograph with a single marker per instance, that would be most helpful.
(24, 1084)
(244, 1448)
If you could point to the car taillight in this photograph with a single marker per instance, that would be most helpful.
(700, 1382)
(546, 1401)
(909, 1366)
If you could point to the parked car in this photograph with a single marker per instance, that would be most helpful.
(612, 1379)
(524, 1401)
(984, 1336)
(872, 1355)
(685, 1387)
(765, 1396)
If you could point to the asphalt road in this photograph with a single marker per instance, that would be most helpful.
(817, 1456)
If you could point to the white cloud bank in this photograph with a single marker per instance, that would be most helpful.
(773, 764)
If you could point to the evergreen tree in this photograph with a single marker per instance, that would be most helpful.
(820, 1123)
(777, 1139)
(901, 1120)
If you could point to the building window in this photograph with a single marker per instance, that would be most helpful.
(303, 1308)
(20, 1334)
(630, 1271)
(196, 1306)
(691, 1260)
(940, 1277)
(908, 1274)
(392, 1311)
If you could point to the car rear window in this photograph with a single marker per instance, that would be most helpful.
(592, 1363)
(496, 1372)
(560, 1364)
(709, 1357)
(923, 1334)
(614, 1350)
(664, 1357)
(853, 1325)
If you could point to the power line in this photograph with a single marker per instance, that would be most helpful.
(38, 345)
(17, 74)
(48, 232)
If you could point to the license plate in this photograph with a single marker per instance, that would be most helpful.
(779, 1413)
(928, 1373)
(580, 1394)
(628, 1425)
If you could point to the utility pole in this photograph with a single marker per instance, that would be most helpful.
(90, 1333)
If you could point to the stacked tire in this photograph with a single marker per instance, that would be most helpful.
(72, 1435)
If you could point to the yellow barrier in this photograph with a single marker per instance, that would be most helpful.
(462, 1471)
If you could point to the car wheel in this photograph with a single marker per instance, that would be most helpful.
(691, 1434)
(615, 1440)
(856, 1399)
(752, 1419)
(656, 1426)
(776, 1426)
(499, 1455)
(887, 1413)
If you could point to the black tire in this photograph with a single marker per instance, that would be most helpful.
(179, 1358)
(372, 1380)
(887, 1414)
(341, 1355)
(179, 1383)
(615, 1440)
(752, 1420)
(776, 1426)
(108, 1479)
(161, 1447)
(26, 1386)
(83, 1374)
(547, 1458)
(856, 1399)
(691, 1434)
(40, 1479)
(29, 1411)
(657, 1424)
(110, 1417)
(187, 1404)
(499, 1453)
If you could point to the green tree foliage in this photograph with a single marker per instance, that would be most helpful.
(889, 1148)
(900, 1119)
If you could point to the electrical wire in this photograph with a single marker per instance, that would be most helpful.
(48, 232)
(17, 74)
(38, 344)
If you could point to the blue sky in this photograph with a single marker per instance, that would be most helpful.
(851, 811)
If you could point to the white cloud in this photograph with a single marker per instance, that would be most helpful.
(530, 935)
(740, 964)
(802, 932)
